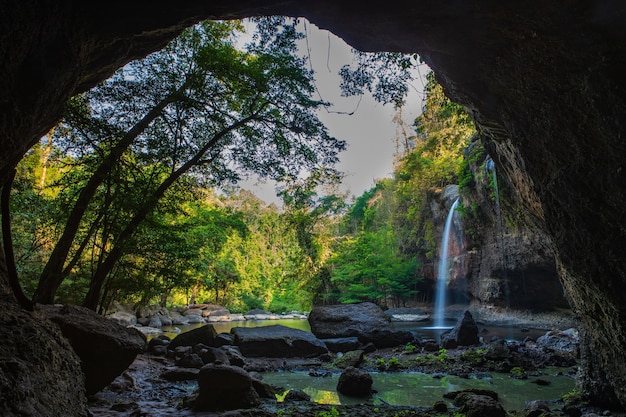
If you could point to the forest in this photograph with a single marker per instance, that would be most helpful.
(132, 197)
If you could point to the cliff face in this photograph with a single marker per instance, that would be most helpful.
(543, 80)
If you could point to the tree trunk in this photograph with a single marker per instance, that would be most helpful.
(93, 295)
(52, 275)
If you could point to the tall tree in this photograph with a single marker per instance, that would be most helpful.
(201, 108)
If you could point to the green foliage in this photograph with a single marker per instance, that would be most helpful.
(333, 412)
(474, 356)
(518, 373)
(410, 348)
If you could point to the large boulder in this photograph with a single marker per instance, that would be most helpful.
(205, 335)
(277, 342)
(40, 374)
(105, 348)
(464, 333)
(366, 321)
(564, 343)
(223, 387)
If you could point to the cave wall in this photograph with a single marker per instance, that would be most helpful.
(543, 80)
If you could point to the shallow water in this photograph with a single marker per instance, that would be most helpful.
(418, 389)
(427, 330)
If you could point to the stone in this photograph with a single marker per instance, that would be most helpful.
(464, 333)
(205, 334)
(277, 341)
(40, 374)
(123, 318)
(105, 348)
(224, 339)
(297, 395)
(190, 360)
(223, 387)
(564, 343)
(355, 383)
(482, 406)
(180, 374)
(353, 358)
(366, 321)
(342, 344)
(214, 355)
(234, 355)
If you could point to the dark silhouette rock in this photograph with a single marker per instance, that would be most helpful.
(223, 387)
(355, 383)
(190, 360)
(464, 333)
(297, 395)
(277, 342)
(366, 321)
(214, 355)
(40, 374)
(342, 344)
(234, 355)
(205, 335)
(105, 348)
(474, 405)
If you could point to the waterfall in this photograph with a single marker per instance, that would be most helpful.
(442, 272)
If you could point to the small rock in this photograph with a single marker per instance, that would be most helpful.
(297, 395)
(355, 383)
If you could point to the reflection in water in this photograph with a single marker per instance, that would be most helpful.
(417, 389)
(225, 326)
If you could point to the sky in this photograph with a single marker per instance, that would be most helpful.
(369, 132)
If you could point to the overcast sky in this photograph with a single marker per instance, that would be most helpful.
(369, 132)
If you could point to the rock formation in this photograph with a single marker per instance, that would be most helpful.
(543, 80)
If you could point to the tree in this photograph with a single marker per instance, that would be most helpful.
(203, 109)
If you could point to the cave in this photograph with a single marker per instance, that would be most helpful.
(544, 82)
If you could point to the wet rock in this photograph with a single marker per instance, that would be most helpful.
(158, 345)
(234, 355)
(564, 343)
(277, 342)
(105, 348)
(497, 350)
(464, 333)
(180, 374)
(223, 387)
(155, 322)
(355, 383)
(190, 360)
(470, 391)
(264, 390)
(124, 318)
(537, 408)
(366, 321)
(440, 407)
(342, 344)
(205, 334)
(214, 355)
(297, 395)
(224, 339)
(353, 358)
(475, 405)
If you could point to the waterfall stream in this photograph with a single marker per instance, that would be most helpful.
(442, 272)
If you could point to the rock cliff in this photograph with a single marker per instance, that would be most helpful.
(544, 81)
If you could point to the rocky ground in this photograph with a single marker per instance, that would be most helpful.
(141, 391)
